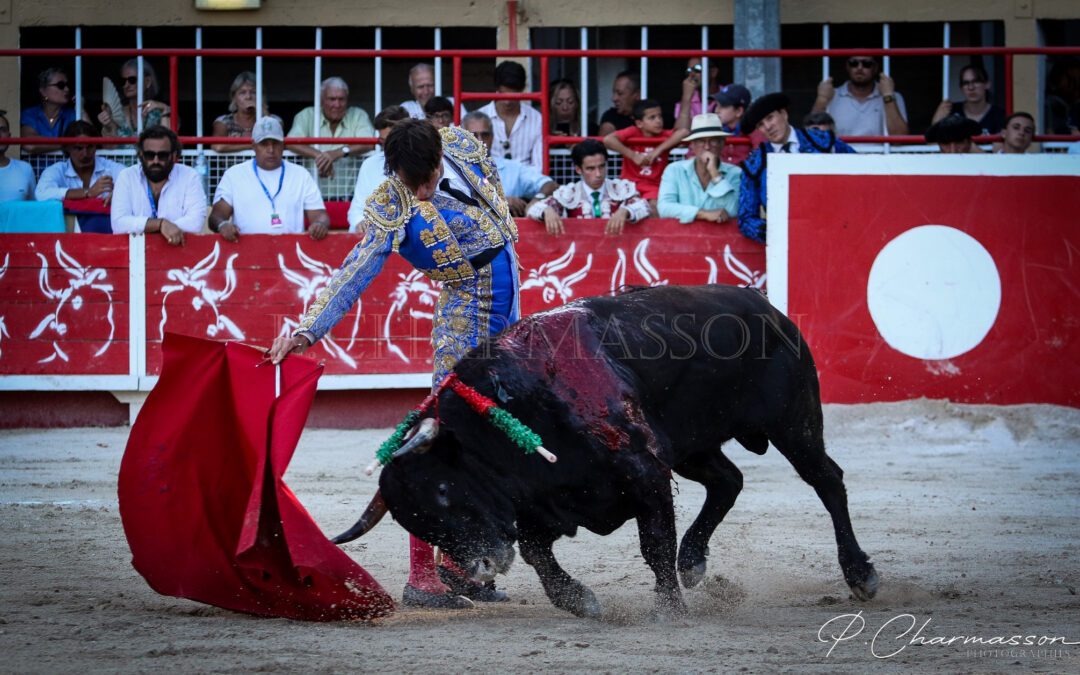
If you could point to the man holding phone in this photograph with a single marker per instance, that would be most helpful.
(867, 104)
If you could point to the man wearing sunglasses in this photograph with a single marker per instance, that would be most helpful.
(157, 194)
(867, 104)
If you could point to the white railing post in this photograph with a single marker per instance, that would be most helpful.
(78, 74)
(438, 65)
(584, 84)
(644, 67)
(946, 39)
(704, 70)
(318, 88)
(378, 72)
(140, 85)
(825, 59)
(258, 75)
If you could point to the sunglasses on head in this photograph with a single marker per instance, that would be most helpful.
(130, 80)
(162, 155)
(865, 63)
(62, 84)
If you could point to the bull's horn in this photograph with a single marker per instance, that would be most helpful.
(371, 516)
(421, 441)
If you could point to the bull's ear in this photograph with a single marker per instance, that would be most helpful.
(422, 439)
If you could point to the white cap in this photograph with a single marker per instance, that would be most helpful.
(267, 127)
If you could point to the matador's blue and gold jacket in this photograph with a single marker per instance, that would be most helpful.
(439, 238)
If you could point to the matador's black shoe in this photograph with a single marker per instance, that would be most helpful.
(470, 589)
(414, 597)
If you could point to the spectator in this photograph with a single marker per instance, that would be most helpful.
(769, 115)
(731, 102)
(256, 198)
(821, 121)
(625, 92)
(158, 194)
(702, 188)
(52, 116)
(83, 175)
(867, 104)
(565, 109)
(1017, 134)
(520, 183)
(422, 86)
(594, 196)
(693, 79)
(518, 128)
(644, 164)
(336, 120)
(953, 135)
(152, 112)
(975, 84)
(373, 171)
(439, 111)
(1063, 95)
(16, 176)
(241, 118)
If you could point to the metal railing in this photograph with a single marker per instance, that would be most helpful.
(542, 95)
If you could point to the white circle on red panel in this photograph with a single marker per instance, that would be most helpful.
(934, 292)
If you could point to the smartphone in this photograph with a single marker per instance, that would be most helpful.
(563, 127)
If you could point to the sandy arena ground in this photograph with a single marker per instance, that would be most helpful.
(969, 513)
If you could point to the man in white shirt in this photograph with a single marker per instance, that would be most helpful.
(159, 195)
(521, 184)
(83, 175)
(867, 104)
(373, 171)
(518, 128)
(268, 195)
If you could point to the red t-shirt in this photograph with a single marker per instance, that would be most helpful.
(647, 178)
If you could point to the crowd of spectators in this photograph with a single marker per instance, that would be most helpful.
(716, 181)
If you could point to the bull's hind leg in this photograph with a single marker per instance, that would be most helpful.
(563, 590)
(805, 449)
(723, 481)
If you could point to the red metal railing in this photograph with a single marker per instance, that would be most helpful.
(458, 55)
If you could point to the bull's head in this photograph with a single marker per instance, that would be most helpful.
(444, 495)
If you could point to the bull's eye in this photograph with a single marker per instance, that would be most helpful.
(442, 497)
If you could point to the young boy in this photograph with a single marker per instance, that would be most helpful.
(645, 164)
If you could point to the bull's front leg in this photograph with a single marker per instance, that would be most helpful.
(563, 590)
(656, 531)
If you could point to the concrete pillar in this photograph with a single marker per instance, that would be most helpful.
(757, 26)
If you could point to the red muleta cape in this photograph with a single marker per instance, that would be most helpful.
(204, 507)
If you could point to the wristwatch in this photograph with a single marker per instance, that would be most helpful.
(888, 98)
(345, 151)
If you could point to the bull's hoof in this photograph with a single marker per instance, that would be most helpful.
(693, 576)
(470, 589)
(668, 608)
(579, 601)
(867, 588)
(414, 597)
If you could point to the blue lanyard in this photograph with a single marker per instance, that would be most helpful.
(281, 181)
(153, 202)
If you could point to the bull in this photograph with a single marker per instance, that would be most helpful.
(626, 390)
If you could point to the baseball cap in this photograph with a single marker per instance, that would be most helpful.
(267, 127)
(733, 94)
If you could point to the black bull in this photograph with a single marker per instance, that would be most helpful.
(625, 390)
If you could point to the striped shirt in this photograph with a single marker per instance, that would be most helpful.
(525, 144)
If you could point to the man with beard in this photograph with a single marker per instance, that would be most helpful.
(867, 104)
(157, 194)
(268, 195)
